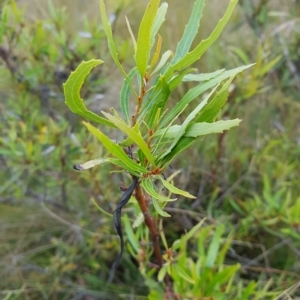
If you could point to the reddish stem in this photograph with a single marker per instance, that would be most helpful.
(150, 223)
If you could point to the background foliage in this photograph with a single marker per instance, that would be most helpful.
(56, 244)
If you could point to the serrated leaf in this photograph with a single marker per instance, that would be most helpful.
(125, 95)
(132, 134)
(190, 32)
(149, 188)
(72, 89)
(144, 37)
(198, 90)
(156, 53)
(111, 43)
(158, 101)
(158, 20)
(198, 129)
(116, 151)
(204, 128)
(187, 121)
(174, 189)
(202, 77)
(212, 109)
(182, 144)
(177, 79)
(196, 54)
(158, 209)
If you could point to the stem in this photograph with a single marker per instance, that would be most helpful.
(150, 223)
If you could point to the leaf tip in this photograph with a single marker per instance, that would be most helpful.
(78, 167)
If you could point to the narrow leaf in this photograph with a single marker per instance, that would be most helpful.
(196, 54)
(202, 77)
(111, 43)
(214, 247)
(190, 32)
(198, 90)
(125, 95)
(187, 121)
(181, 272)
(159, 209)
(132, 134)
(72, 89)
(162, 61)
(116, 150)
(131, 34)
(174, 189)
(204, 128)
(211, 111)
(149, 188)
(156, 54)
(144, 37)
(158, 20)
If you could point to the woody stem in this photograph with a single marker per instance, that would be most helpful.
(150, 223)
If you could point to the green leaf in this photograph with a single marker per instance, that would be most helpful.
(196, 54)
(204, 128)
(143, 46)
(202, 77)
(182, 273)
(162, 61)
(72, 89)
(187, 121)
(111, 43)
(157, 101)
(182, 144)
(92, 163)
(198, 90)
(125, 95)
(149, 188)
(131, 34)
(174, 189)
(177, 79)
(214, 247)
(130, 234)
(116, 151)
(198, 129)
(212, 109)
(159, 209)
(190, 32)
(158, 20)
(132, 134)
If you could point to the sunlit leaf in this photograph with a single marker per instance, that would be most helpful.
(158, 20)
(149, 188)
(193, 93)
(132, 134)
(174, 189)
(116, 150)
(111, 43)
(159, 209)
(196, 54)
(72, 89)
(144, 37)
(190, 32)
(125, 95)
